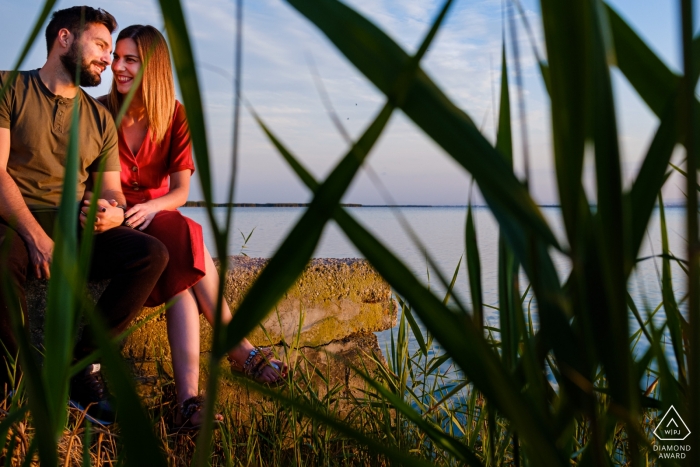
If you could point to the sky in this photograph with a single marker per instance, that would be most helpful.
(281, 50)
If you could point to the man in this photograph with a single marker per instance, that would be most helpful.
(35, 122)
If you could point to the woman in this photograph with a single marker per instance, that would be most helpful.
(156, 160)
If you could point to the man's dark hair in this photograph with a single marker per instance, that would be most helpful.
(71, 18)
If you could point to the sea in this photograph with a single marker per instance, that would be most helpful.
(440, 231)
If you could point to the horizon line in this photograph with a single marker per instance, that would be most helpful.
(198, 204)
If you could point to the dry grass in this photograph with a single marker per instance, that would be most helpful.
(268, 432)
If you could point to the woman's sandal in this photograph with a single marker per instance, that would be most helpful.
(182, 421)
(258, 359)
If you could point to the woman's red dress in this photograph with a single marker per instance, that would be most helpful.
(145, 176)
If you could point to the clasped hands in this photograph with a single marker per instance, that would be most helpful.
(108, 215)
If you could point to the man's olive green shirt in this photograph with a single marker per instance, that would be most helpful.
(40, 126)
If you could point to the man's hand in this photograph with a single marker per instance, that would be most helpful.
(108, 216)
(40, 249)
(140, 216)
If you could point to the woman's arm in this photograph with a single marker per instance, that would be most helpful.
(179, 190)
(140, 215)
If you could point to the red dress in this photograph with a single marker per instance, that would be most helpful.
(146, 176)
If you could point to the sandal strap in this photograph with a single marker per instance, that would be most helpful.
(191, 406)
(257, 360)
(260, 361)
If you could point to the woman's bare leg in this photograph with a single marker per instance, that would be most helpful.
(183, 335)
(206, 292)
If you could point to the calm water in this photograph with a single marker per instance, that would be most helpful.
(441, 230)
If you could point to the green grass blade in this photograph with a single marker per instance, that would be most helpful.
(507, 264)
(565, 29)
(417, 333)
(611, 224)
(37, 399)
(651, 78)
(544, 68)
(183, 58)
(635, 311)
(682, 172)
(474, 270)
(671, 389)
(292, 256)
(87, 441)
(658, 86)
(504, 138)
(437, 363)
(140, 442)
(448, 294)
(688, 116)
(652, 176)
(675, 320)
(87, 240)
(64, 287)
(509, 305)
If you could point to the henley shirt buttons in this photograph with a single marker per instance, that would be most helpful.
(134, 169)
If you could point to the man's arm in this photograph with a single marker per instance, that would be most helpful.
(108, 214)
(112, 187)
(14, 210)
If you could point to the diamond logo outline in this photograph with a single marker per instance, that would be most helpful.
(664, 423)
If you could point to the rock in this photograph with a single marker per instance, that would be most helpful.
(333, 298)
(339, 303)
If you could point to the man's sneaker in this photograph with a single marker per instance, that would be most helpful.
(88, 390)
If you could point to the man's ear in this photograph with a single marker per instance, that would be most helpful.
(64, 39)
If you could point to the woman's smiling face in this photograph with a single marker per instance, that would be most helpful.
(126, 64)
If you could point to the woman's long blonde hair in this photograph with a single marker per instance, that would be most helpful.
(157, 84)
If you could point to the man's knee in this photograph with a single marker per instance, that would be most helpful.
(156, 252)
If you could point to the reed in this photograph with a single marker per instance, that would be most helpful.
(414, 400)
(555, 384)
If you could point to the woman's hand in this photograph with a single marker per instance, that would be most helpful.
(108, 215)
(140, 216)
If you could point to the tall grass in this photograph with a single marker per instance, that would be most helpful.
(415, 402)
(505, 410)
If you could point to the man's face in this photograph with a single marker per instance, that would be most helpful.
(95, 48)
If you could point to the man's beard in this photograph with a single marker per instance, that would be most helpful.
(70, 63)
